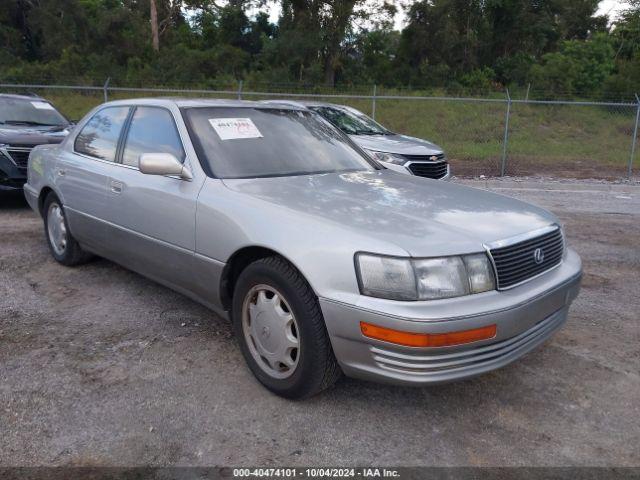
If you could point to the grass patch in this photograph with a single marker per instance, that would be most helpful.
(563, 140)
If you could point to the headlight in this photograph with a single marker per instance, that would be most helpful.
(386, 277)
(480, 273)
(424, 279)
(441, 277)
(387, 157)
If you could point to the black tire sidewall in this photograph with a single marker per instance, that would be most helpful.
(303, 380)
(66, 256)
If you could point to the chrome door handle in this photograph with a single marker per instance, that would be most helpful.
(116, 187)
(61, 173)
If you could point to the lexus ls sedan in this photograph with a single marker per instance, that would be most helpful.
(325, 262)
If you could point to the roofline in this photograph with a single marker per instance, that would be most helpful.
(187, 102)
(306, 103)
(23, 97)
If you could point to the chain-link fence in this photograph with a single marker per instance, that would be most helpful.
(482, 136)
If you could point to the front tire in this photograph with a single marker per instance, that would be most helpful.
(63, 247)
(279, 325)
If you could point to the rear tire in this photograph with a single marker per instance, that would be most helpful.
(63, 247)
(279, 325)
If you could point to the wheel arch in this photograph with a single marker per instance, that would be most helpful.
(42, 196)
(240, 260)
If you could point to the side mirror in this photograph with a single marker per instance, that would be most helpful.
(163, 164)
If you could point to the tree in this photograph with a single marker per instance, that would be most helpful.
(370, 56)
(562, 45)
(155, 29)
(579, 66)
(446, 32)
(323, 25)
(625, 37)
(626, 32)
(14, 35)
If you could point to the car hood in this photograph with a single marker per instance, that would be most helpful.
(31, 136)
(422, 216)
(400, 144)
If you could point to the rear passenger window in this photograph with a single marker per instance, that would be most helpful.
(152, 131)
(99, 137)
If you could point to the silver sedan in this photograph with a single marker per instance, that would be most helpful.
(324, 261)
(401, 153)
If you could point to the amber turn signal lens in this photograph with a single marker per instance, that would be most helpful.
(409, 339)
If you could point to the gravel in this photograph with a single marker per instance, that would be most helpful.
(102, 367)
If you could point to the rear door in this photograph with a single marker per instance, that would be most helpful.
(82, 174)
(154, 215)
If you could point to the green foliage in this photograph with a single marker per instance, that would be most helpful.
(626, 79)
(514, 68)
(372, 57)
(579, 66)
(478, 79)
(560, 46)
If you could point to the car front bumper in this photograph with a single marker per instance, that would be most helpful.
(525, 317)
(12, 177)
(31, 196)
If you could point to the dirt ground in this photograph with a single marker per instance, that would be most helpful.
(548, 167)
(99, 366)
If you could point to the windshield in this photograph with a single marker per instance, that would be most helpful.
(351, 121)
(19, 111)
(242, 142)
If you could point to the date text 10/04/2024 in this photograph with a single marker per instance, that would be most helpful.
(316, 472)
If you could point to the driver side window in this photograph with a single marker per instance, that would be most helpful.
(152, 130)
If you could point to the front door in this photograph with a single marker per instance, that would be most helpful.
(154, 216)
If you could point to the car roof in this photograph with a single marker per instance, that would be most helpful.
(21, 97)
(199, 102)
(304, 103)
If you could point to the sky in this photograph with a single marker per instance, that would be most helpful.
(609, 7)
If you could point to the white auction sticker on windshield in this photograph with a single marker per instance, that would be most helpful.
(42, 105)
(234, 128)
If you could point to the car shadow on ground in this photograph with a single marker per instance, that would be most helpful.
(13, 200)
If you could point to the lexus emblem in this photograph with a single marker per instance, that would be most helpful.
(538, 256)
(433, 158)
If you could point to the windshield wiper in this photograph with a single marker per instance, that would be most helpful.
(368, 132)
(29, 122)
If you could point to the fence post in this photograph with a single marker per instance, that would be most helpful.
(635, 136)
(503, 165)
(239, 89)
(105, 90)
(528, 90)
(373, 102)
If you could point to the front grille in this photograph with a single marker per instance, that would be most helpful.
(425, 158)
(424, 364)
(429, 169)
(19, 155)
(517, 263)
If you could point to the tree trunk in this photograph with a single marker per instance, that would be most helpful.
(340, 15)
(155, 36)
(329, 71)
